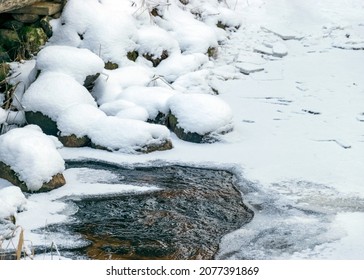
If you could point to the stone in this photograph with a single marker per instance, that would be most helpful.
(90, 81)
(13, 25)
(72, 141)
(133, 55)
(10, 42)
(40, 8)
(26, 18)
(4, 70)
(185, 2)
(34, 38)
(167, 145)
(44, 122)
(47, 27)
(6, 5)
(8, 174)
(111, 65)
(212, 52)
(181, 133)
(156, 59)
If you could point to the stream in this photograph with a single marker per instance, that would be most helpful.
(185, 218)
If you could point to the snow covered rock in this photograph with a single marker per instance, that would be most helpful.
(112, 133)
(152, 99)
(199, 117)
(81, 64)
(30, 160)
(125, 110)
(49, 95)
(12, 201)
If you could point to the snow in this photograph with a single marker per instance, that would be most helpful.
(108, 88)
(82, 27)
(12, 201)
(125, 110)
(154, 40)
(178, 64)
(77, 63)
(153, 99)
(127, 135)
(54, 92)
(3, 115)
(32, 155)
(201, 113)
(79, 119)
(297, 145)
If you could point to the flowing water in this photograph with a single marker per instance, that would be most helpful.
(185, 219)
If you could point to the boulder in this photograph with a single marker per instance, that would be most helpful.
(199, 118)
(26, 18)
(73, 141)
(181, 133)
(47, 27)
(7, 173)
(47, 125)
(10, 42)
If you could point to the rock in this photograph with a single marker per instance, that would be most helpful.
(10, 41)
(156, 59)
(199, 118)
(111, 65)
(8, 174)
(90, 81)
(181, 133)
(46, 8)
(73, 141)
(44, 122)
(133, 55)
(6, 5)
(13, 25)
(34, 38)
(212, 52)
(26, 18)
(47, 27)
(184, 2)
(4, 70)
(167, 145)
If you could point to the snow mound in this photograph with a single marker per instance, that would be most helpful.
(153, 99)
(108, 88)
(126, 135)
(192, 35)
(177, 65)
(109, 132)
(125, 110)
(3, 115)
(82, 27)
(32, 155)
(201, 113)
(78, 63)
(54, 92)
(78, 119)
(12, 201)
(154, 40)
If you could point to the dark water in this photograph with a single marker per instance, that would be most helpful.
(184, 220)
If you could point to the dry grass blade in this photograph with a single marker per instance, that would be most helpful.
(20, 245)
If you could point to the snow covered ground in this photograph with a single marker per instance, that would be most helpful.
(298, 130)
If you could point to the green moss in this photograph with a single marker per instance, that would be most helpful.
(33, 38)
